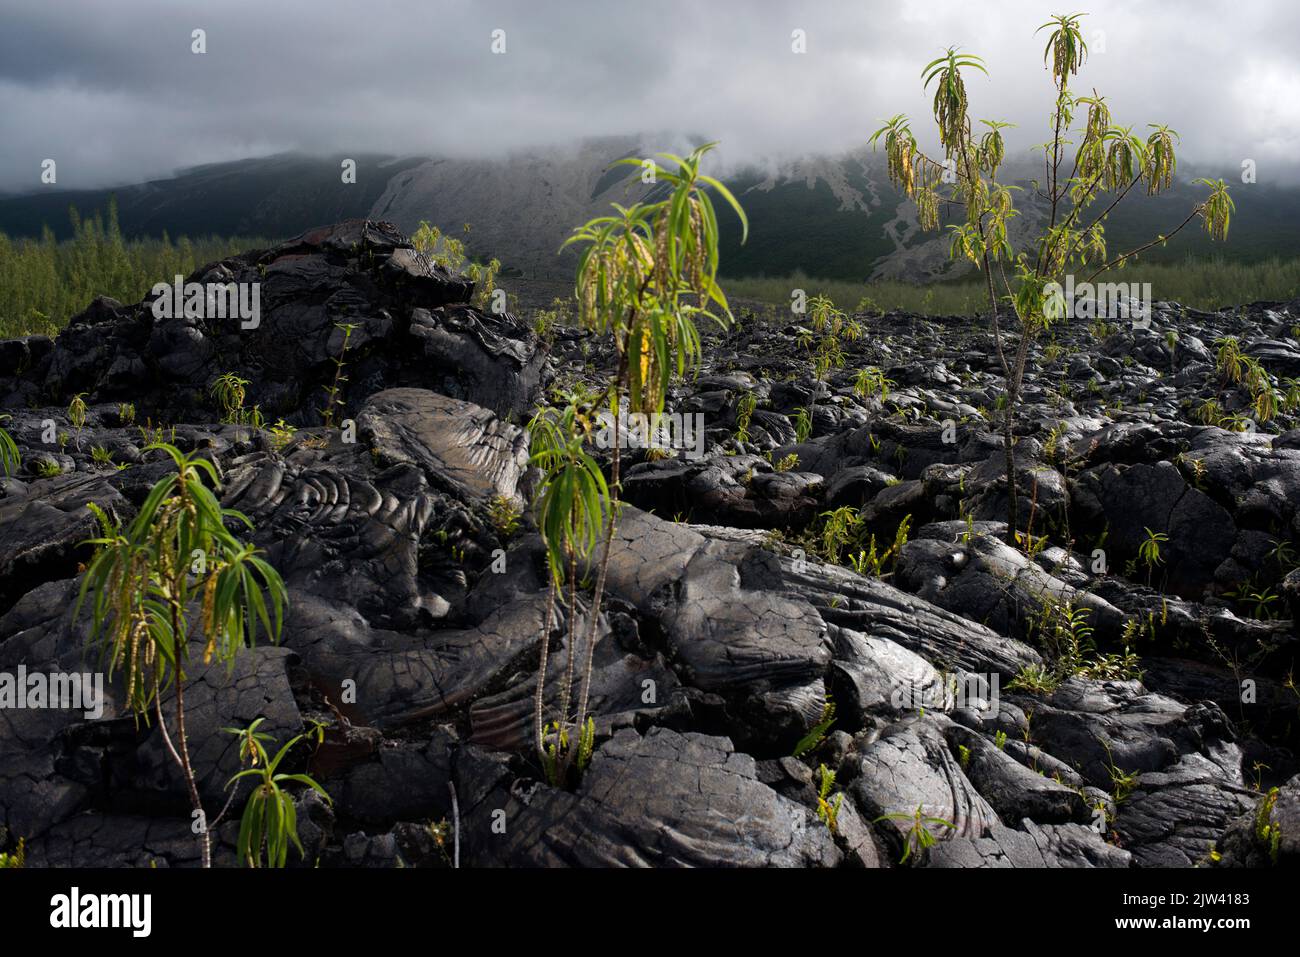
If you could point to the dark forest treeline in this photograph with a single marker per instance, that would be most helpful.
(45, 282)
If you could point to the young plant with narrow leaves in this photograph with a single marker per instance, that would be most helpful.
(1078, 194)
(646, 274)
(570, 505)
(269, 824)
(144, 580)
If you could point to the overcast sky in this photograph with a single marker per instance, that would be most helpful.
(112, 91)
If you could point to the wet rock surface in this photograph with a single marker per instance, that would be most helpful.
(918, 656)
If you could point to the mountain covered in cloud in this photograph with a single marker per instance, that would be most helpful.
(830, 216)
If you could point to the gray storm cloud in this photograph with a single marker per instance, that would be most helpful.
(113, 92)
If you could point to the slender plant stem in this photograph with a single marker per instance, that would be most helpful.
(162, 724)
(601, 575)
(538, 698)
(455, 825)
(566, 691)
(178, 635)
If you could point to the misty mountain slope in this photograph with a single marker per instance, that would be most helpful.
(269, 196)
(521, 207)
(832, 217)
(823, 215)
(841, 218)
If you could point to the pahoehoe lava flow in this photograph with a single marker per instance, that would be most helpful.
(415, 616)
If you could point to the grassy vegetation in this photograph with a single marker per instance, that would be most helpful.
(1198, 283)
(44, 283)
